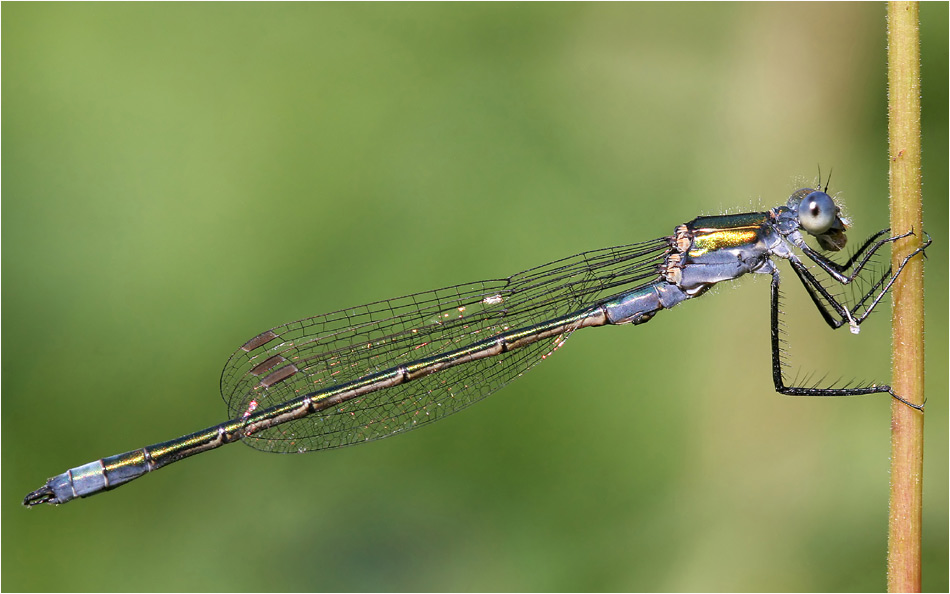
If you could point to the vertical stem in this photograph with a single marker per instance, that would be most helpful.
(907, 425)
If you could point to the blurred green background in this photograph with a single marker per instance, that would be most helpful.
(179, 177)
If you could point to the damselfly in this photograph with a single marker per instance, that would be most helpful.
(372, 371)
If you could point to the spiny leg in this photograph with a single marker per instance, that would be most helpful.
(777, 376)
(881, 286)
(865, 253)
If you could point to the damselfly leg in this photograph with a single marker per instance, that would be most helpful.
(823, 298)
(853, 316)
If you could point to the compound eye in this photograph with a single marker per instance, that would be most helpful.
(817, 213)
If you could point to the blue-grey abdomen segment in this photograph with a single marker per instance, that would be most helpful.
(98, 476)
(640, 305)
(78, 482)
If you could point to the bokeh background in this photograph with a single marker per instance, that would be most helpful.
(179, 177)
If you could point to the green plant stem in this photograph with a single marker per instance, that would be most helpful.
(907, 425)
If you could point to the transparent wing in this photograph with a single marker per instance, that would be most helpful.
(318, 353)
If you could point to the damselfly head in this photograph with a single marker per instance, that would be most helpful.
(820, 216)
